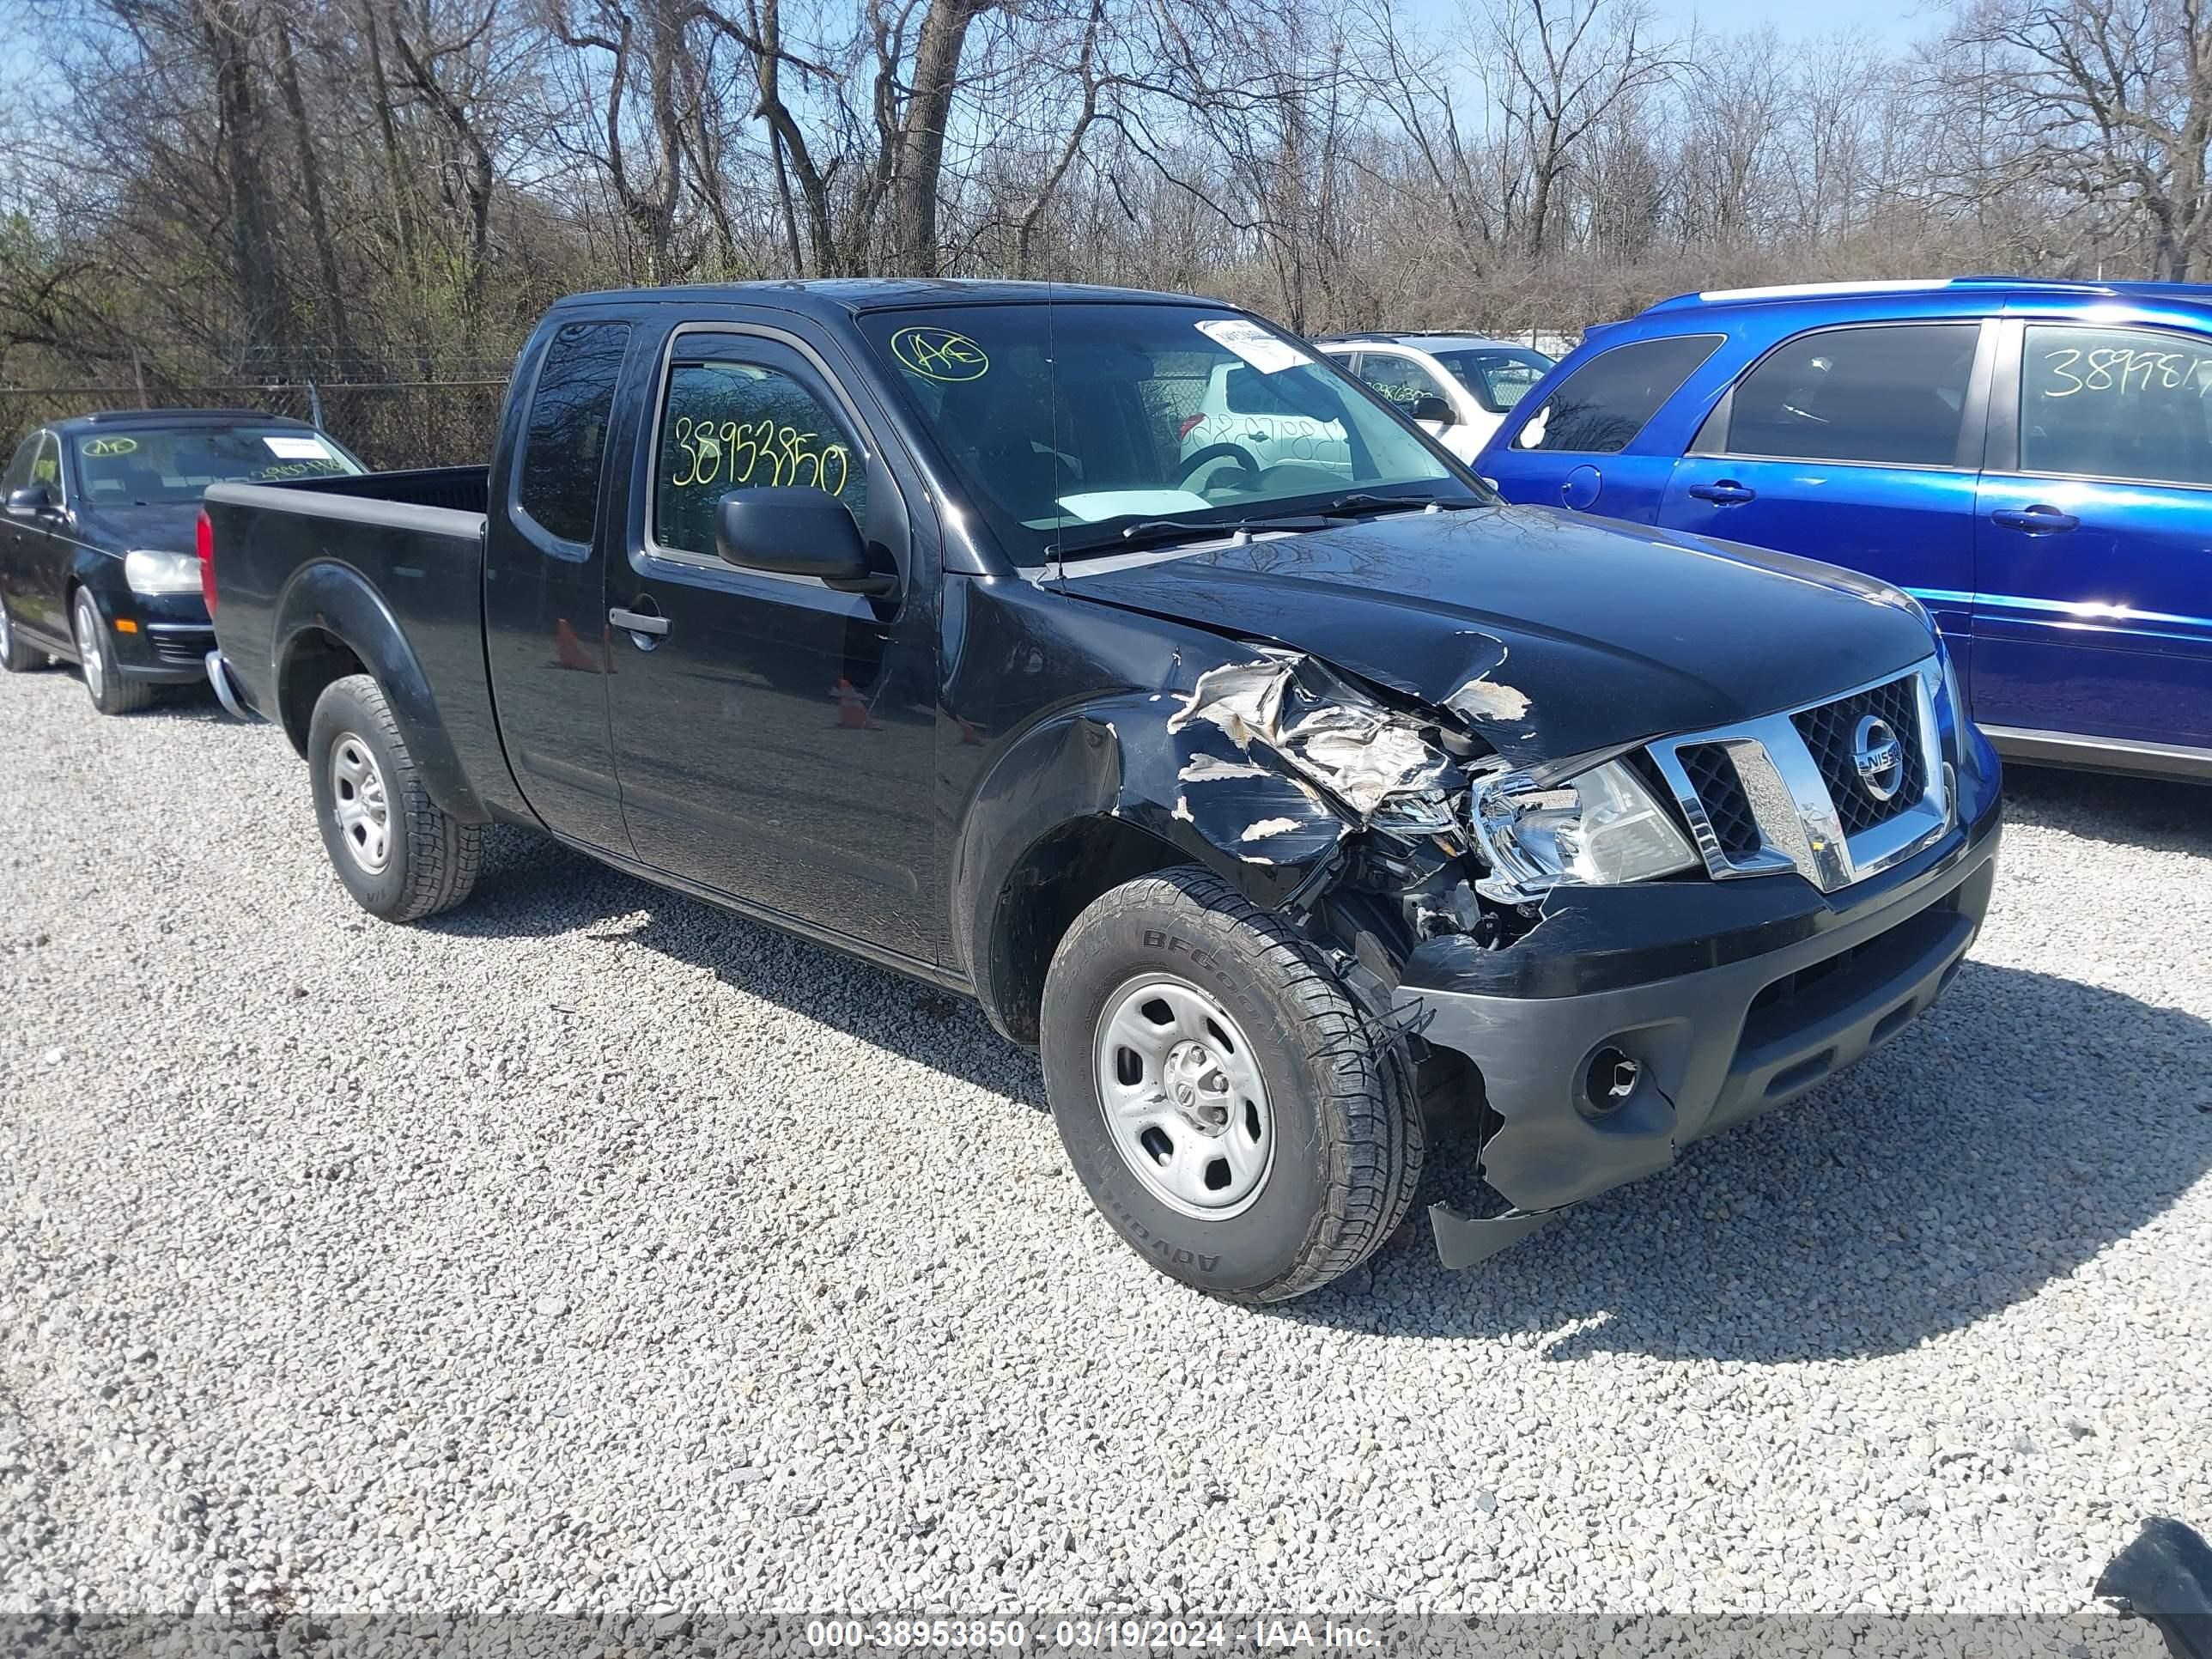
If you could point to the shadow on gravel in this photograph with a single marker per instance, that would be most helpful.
(2024, 1125)
(532, 886)
(2148, 813)
(2019, 1128)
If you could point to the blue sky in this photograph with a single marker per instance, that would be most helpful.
(1886, 23)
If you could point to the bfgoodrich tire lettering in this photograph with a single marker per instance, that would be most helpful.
(426, 861)
(1347, 1152)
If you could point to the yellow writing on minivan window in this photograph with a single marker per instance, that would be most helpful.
(2122, 370)
(741, 452)
(100, 447)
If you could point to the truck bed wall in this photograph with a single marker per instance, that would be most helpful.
(464, 488)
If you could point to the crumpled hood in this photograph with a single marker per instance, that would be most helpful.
(1552, 635)
(168, 526)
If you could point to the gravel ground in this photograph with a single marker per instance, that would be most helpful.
(589, 1250)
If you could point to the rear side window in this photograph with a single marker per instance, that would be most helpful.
(568, 432)
(1893, 396)
(1400, 381)
(1602, 406)
(2115, 402)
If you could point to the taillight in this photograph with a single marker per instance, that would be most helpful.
(1189, 422)
(204, 544)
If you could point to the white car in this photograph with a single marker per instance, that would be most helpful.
(1429, 376)
(1240, 409)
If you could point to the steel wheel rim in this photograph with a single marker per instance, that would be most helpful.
(1183, 1098)
(87, 646)
(359, 804)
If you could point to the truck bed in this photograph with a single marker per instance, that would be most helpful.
(397, 557)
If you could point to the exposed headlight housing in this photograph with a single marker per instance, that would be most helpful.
(1601, 828)
(151, 570)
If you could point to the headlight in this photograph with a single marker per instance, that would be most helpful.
(1600, 828)
(151, 571)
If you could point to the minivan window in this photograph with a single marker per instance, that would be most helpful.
(1070, 421)
(1601, 407)
(1894, 395)
(559, 481)
(2115, 403)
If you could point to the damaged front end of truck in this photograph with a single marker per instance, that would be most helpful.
(1545, 934)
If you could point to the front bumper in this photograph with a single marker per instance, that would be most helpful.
(1726, 998)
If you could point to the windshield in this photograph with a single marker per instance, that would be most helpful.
(1073, 423)
(150, 465)
(1499, 376)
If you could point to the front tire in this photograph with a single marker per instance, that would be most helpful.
(396, 851)
(1229, 1109)
(110, 693)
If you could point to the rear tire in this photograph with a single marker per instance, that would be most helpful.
(1230, 1110)
(396, 852)
(110, 693)
(17, 655)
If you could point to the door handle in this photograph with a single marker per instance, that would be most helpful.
(637, 622)
(1725, 492)
(2037, 520)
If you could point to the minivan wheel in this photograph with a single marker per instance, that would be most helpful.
(17, 655)
(395, 850)
(1231, 1111)
(111, 693)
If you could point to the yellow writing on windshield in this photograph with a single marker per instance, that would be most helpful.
(737, 454)
(938, 354)
(99, 447)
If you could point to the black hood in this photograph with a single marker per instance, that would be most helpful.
(1551, 634)
(167, 526)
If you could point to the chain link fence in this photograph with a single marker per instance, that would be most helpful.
(393, 423)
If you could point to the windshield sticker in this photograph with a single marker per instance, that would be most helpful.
(1253, 344)
(297, 449)
(938, 354)
(99, 448)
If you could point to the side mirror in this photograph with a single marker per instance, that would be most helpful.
(795, 532)
(32, 498)
(1429, 407)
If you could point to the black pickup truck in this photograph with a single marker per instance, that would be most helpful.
(1284, 795)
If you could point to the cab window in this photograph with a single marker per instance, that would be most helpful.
(1893, 396)
(2115, 402)
(1601, 407)
(730, 424)
(559, 484)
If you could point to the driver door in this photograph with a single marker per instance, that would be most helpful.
(774, 737)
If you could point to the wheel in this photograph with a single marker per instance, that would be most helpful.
(398, 853)
(1232, 1113)
(17, 655)
(111, 693)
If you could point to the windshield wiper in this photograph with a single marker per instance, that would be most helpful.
(1154, 532)
(1346, 507)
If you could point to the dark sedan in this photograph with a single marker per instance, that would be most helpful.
(97, 560)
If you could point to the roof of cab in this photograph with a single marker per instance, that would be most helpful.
(115, 417)
(824, 296)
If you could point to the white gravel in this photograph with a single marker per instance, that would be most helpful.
(590, 1249)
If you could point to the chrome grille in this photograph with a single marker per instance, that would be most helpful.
(1713, 776)
(1788, 791)
(1830, 731)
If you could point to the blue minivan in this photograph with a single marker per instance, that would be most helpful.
(2032, 460)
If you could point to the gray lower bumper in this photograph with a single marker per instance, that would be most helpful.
(218, 674)
(1708, 1049)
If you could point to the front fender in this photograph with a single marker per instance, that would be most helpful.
(1263, 832)
(324, 597)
